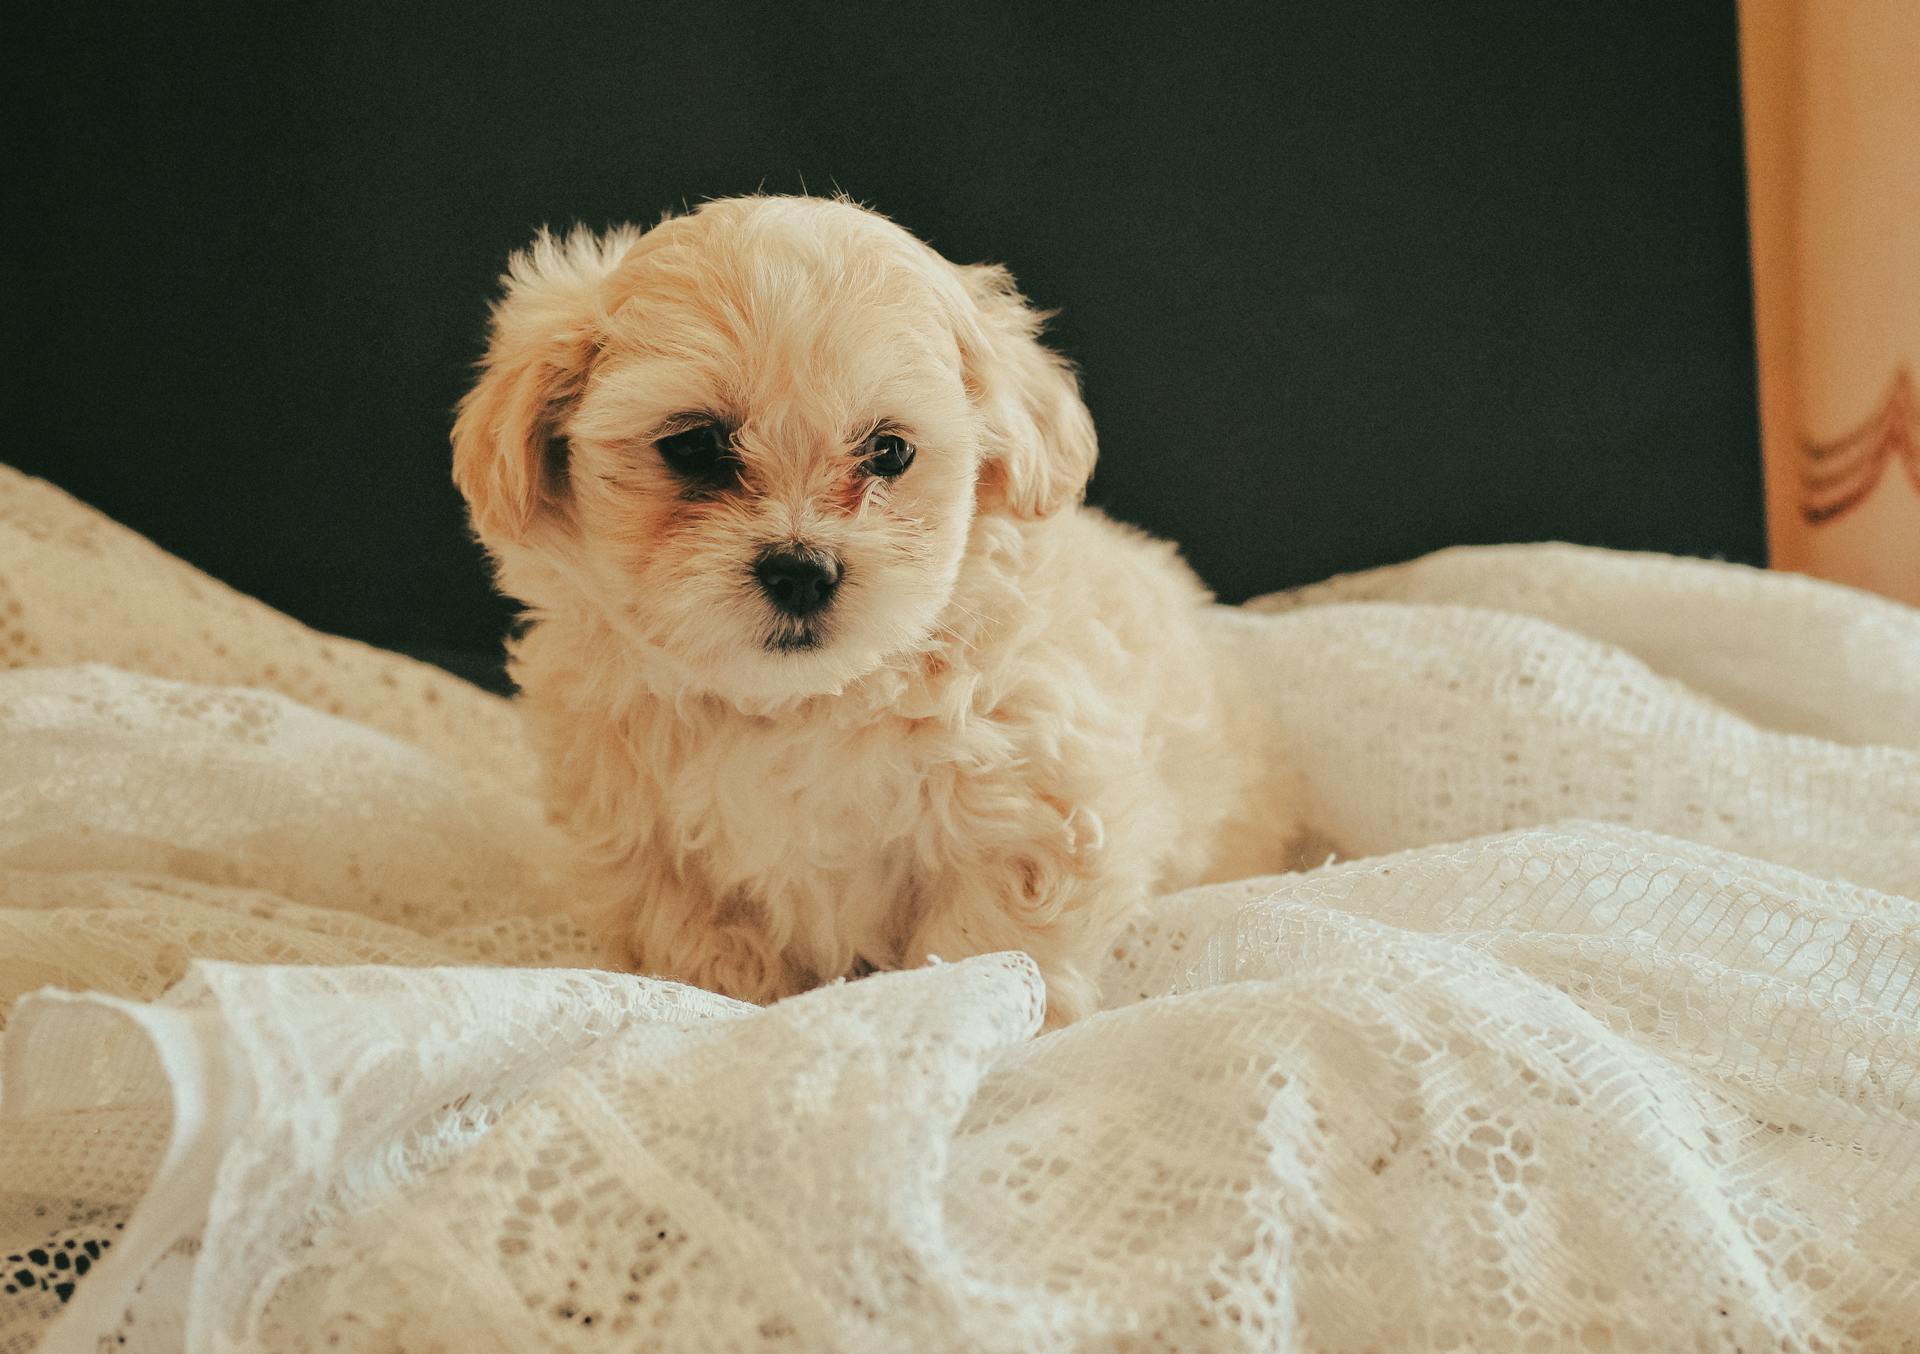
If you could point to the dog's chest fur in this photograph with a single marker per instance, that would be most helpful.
(822, 825)
(819, 827)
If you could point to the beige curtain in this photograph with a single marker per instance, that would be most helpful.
(1832, 91)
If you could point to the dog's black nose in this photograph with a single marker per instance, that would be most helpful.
(798, 582)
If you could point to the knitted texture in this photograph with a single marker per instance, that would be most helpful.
(1601, 1032)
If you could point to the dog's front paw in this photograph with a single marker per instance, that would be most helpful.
(735, 961)
(1071, 996)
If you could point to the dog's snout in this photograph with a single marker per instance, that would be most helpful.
(798, 582)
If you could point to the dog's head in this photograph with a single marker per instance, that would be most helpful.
(755, 437)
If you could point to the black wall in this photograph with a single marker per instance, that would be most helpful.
(1348, 281)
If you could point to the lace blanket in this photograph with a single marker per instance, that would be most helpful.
(1606, 1035)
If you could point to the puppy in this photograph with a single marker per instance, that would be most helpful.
(829, 669)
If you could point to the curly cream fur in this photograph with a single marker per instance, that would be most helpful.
(1016, 725)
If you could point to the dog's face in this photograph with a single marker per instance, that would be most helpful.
(754, 438)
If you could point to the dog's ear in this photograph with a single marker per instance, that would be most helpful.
(1040, 440)
(508, 457)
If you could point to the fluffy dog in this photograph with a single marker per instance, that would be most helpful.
(829, 669)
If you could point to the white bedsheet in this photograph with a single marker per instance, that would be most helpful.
(1608, 1039)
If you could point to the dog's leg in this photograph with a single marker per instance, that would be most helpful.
(1059, 914)
(665, 925)
(976, 925)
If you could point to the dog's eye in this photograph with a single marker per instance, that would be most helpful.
(702, 453)
(887, 455)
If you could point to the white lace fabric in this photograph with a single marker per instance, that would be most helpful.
(1606, 1037)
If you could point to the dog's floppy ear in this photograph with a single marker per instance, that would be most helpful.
(1040, 440)
(507, 455)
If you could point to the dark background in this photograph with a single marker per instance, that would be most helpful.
(1348, 281)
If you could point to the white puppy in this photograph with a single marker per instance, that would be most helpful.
(829, 668)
